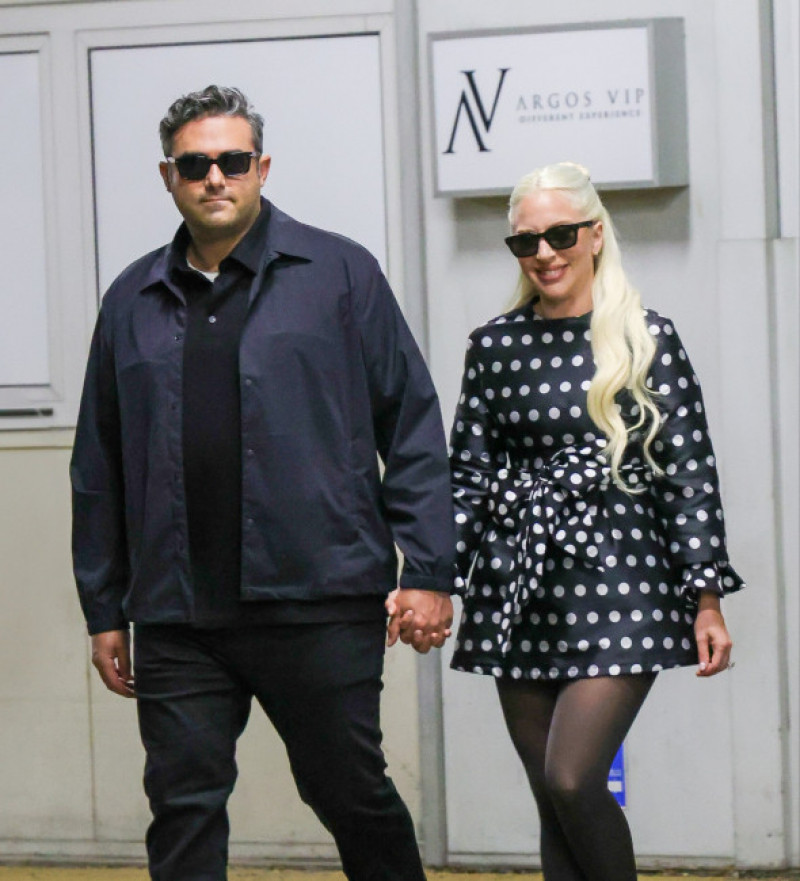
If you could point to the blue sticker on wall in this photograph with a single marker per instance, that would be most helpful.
(616, 777)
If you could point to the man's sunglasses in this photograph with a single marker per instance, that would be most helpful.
(526, 244)
(195, 166)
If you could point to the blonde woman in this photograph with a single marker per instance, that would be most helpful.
(590, 534)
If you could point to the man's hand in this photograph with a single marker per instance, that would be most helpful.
(111, 655)
(420, 618)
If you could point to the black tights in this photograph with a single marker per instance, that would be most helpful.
(567, 734)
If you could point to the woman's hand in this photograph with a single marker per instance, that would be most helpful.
(713, 640)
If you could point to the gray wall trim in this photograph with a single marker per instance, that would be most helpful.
(780, 506)
(772, 205)
(429, 667)
(413, 218)
(772, 212)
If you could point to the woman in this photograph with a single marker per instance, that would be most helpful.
(590, 534)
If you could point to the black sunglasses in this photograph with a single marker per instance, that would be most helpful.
(195, 166)
(561, 237)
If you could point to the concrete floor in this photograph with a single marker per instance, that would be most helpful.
(47, 873)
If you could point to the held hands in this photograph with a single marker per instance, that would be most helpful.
(420, 618)
(713, 640)
(111, 655)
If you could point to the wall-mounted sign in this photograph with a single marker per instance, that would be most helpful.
(616, 777)
(611, 96)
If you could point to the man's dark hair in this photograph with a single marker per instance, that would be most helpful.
(211, 101)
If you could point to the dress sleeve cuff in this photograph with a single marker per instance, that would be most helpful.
(717, 576)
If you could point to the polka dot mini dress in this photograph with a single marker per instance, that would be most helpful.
(564, 575)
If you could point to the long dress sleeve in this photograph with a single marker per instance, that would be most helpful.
(475, 456)
(687, 493)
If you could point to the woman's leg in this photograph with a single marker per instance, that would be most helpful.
(528, 708)
(567, 735)
(589, 723)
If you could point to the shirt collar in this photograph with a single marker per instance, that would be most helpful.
(273, 234)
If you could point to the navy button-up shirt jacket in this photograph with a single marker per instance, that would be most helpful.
(329, 374)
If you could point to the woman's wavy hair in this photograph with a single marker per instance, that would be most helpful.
(622, 346)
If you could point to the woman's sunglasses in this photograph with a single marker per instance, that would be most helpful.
(195, 166)
(561, 237)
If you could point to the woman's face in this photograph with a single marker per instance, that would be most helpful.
(562, 278)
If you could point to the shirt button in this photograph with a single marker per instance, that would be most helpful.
(212, 319)
(250, 453)
(248, 381)
(178, 337)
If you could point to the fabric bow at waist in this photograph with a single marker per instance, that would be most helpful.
(561, 504)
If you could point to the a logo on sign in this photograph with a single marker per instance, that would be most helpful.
(472, 107)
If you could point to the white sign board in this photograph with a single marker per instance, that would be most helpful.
(609, 96)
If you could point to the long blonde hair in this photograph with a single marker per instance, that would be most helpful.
(622, 346)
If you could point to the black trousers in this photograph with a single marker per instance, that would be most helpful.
(320, 686)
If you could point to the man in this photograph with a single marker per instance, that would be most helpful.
(228, 502)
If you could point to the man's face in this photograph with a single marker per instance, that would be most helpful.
(216, 207)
